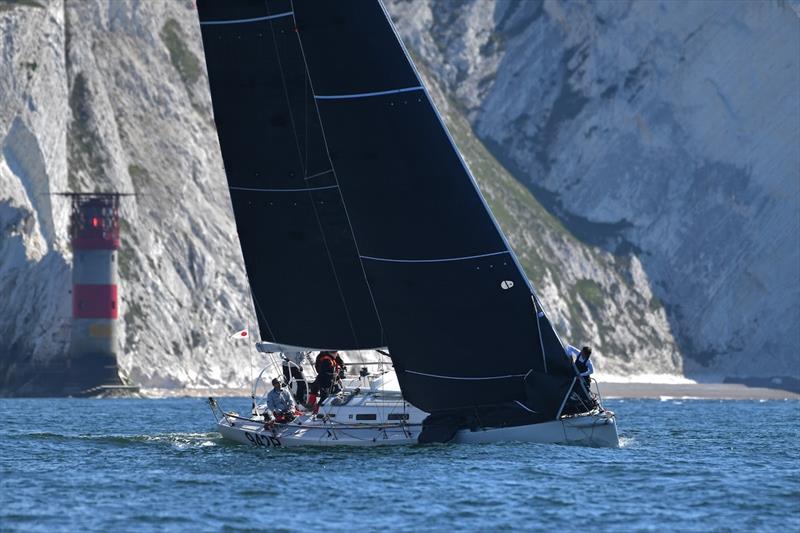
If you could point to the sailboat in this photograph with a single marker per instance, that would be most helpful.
(362, 228)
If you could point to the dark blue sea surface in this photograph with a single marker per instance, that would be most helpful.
(158, 465)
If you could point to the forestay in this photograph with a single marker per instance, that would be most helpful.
(391, 235)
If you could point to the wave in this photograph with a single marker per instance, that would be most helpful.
(666, 379)
(626, 442)
(678, 399)
(189, 392)
(175, 440)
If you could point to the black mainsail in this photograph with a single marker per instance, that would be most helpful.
(305, 275)
(360, 223)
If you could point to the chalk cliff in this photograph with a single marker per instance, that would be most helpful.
(664, 132)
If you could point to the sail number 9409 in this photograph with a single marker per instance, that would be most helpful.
(264, 441)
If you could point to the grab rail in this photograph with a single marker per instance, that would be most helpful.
(599, 396)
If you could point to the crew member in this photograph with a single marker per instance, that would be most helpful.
(280, 402)
(582, 363)
(329, 366)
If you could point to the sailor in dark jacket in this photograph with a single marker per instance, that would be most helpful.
(330, 368)
(582, 363)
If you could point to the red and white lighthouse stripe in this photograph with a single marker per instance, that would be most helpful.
(95, 301)
(95, 296)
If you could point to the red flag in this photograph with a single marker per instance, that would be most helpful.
(240, 334)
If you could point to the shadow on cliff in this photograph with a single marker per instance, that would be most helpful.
(34, 334)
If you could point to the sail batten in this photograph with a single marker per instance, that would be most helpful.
(245, 21)
(466, 378)
(302, 189)
(366, 95)
(438, 260)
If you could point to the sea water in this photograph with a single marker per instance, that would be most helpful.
(158, 465)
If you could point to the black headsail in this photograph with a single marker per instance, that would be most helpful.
(452, 302)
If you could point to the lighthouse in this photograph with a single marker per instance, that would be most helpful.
(94, 235)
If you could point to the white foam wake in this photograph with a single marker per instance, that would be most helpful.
(667, 379)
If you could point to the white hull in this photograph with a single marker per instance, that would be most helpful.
(292, 435)
(378, 415)
(588, 430)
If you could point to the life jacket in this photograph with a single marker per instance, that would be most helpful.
(582, 367)
(580, 363)
(326, 357)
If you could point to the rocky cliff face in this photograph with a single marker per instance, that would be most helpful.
(662, 132)
(113, 96)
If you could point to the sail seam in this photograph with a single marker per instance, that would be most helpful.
(302, 189)
(258, 309)
(288, 100)
(442, 260)
(468, 171)
(336, 178)
(305, 170)
(461, 378)
(366, 95)
(244, 21)
(453, 145)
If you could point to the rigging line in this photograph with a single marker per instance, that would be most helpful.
(318, 174)
(305, 115)
(301, 189)
(305, 172)
(541, 307)
(259, 310)
(244, 21)
(366, 95)
(526, 407)
(564, 401)
(539, 329)
(442, 260)
(455, 148)
(333, 269)
(538, 302)
(286, 93)
(481, 378)
(336, 177)
(250, 359)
